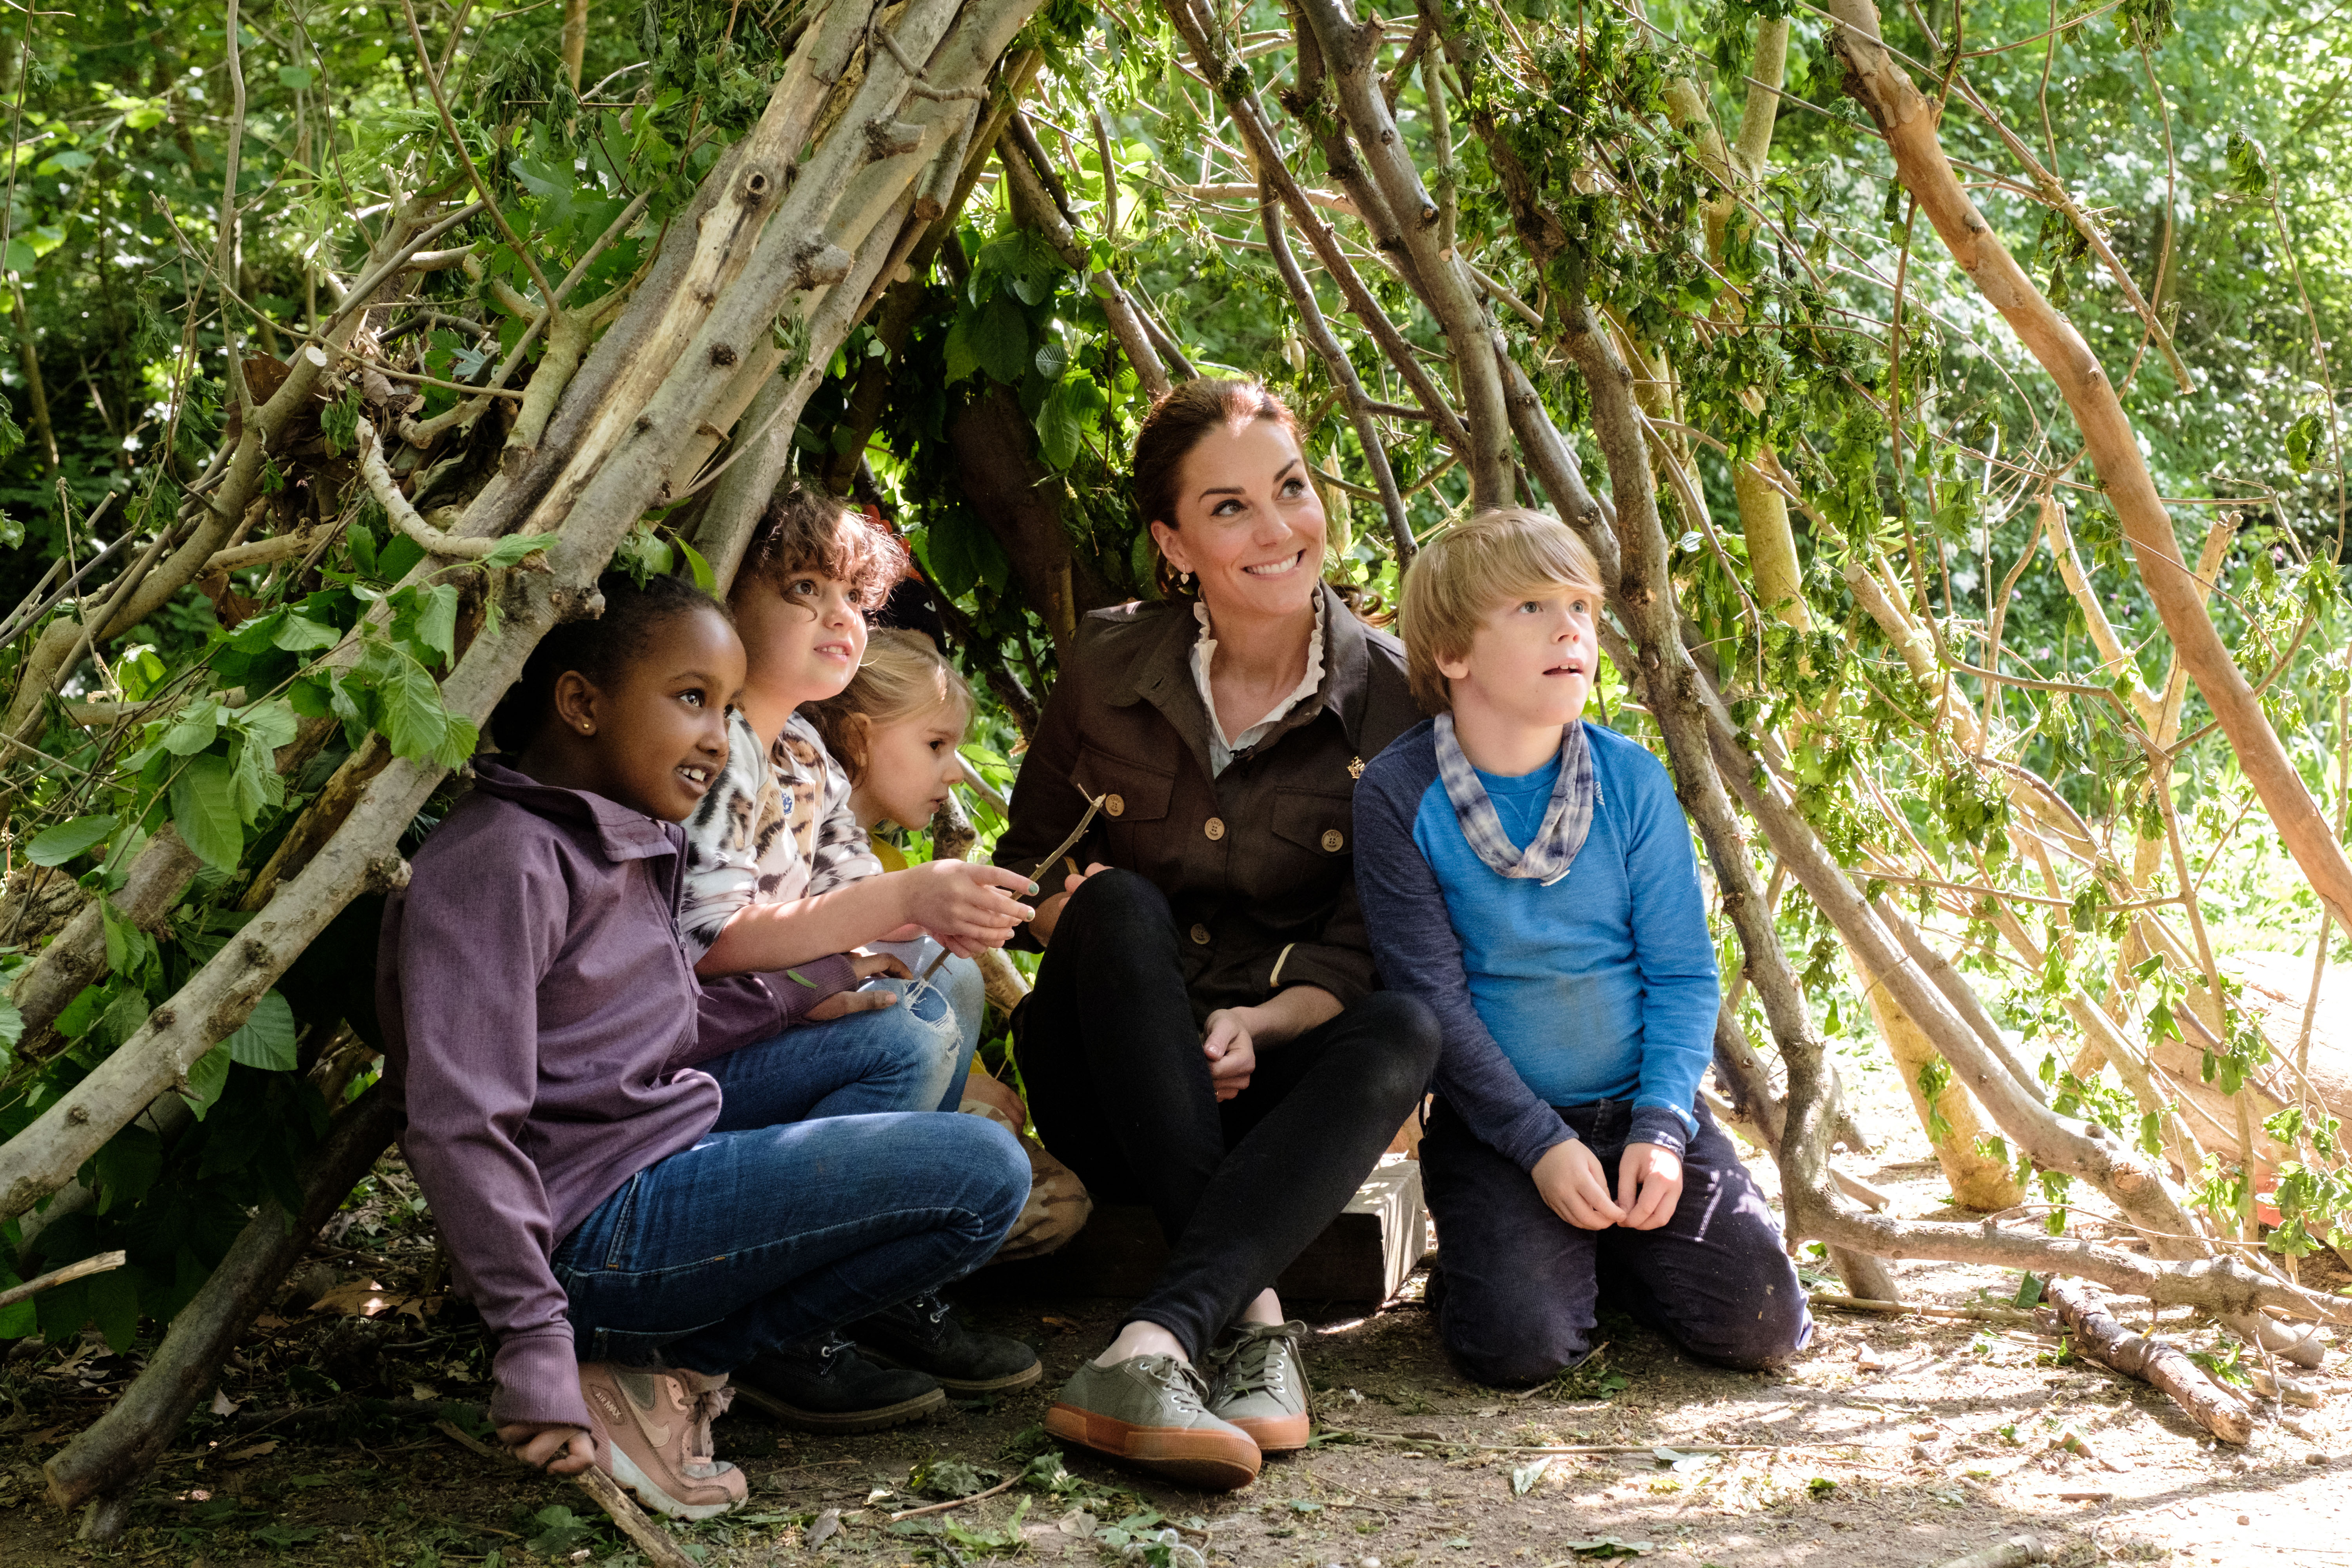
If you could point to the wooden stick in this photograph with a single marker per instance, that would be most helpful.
(2013, 1316)
(2100, 1338)
(81, 1270)
(2015, 1552)
(959, 1503)
(658, 1548)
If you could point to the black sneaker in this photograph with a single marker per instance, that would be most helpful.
(824, 1385)
(924, 1335)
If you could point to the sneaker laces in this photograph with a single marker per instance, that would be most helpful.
(706, 1400)
(1250, 1366)
(1184, 1381)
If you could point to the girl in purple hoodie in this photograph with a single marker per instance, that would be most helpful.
(628, 1245)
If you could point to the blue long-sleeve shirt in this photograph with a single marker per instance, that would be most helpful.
(1600, 987)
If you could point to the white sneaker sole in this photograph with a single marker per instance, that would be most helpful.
(625, 1473)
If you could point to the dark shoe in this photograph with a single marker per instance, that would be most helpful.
(824, 1385)
(1259, 1383)
(1150, 1411)
(924, 1335)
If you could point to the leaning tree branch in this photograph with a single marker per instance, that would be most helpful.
(1908, 123)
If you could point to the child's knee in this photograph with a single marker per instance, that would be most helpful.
(1536, 1354)
(1762, 1333)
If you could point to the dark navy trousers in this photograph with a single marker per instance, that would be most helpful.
(1521, 1286)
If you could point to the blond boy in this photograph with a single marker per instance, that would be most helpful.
(1528, 874)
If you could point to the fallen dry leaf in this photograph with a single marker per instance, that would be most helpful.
(1067, 1325)
(821, 1529)
(222, 1404)
(255, 1451)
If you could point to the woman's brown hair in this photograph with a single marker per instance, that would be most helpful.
(1175, 425)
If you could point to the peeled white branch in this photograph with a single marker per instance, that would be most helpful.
(386, 490)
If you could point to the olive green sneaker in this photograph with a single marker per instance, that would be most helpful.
(1258, 1384)
(1150, 1411)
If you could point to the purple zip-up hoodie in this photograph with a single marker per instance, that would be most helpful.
(539, 1012)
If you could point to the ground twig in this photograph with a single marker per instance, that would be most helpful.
(955, 1502)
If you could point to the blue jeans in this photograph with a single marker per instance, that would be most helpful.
(754, 1239)
(910, 1056)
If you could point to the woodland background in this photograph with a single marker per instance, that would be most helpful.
(1953, 417)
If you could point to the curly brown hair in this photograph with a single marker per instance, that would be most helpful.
(805, 530)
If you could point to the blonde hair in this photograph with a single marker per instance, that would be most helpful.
(1459, 577)
(903, 674)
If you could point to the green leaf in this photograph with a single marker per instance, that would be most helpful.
(428, 618)
(999, 340)
(207, 1076)
(1526, 1477)
(512, 549)
(204, 808)
(300, 634)
(195, 728)
(127, 1167)
(272, 724)
(410, 707)
(114, 1304)
(298, 78)
(797, 978)
(12, 1029)
(266, 1039)
(19, 1321)
(254, 784)
(1052, 360)
(56, 845)
(129, 949)
(1057, 428)
(961, 358)
(704, 577)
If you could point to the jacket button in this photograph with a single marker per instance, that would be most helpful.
(1214, 827)
(1332, 840)
(1200, 935)
(1114, 806)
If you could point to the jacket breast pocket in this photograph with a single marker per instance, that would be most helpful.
(1135, 799)
(1315, 829)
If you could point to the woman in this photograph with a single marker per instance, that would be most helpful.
(1206, 1035)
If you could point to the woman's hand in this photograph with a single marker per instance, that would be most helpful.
(1230, 1049)
(1649, 1185)
(1573, 1186)
(967, 908)
(841, 1004)
(558, 1451)
(1049, 913)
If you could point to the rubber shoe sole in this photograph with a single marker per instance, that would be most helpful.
(629, 1478)
(962, 1387)
(1210, 1460)
(873, 1420)
(1276, 1433)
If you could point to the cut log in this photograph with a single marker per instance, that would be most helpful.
(2099, 1337)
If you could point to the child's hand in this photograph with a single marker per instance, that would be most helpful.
(967, 908)
(558, 1451)
(841, 1004)
(1049, 913)
(1232, 1053)
(1573, 1186)
(1649, 1185)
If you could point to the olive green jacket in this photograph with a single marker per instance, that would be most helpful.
(1258, 864)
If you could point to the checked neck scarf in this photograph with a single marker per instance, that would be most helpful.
(1548, 855)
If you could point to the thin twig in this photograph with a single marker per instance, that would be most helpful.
(72, 1271)
(959, 1503)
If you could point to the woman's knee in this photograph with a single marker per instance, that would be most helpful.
(1116, 900)
(1401, 1037)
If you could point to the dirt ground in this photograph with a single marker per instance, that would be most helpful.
(1904, 1441)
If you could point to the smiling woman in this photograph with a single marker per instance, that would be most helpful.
(1205, 1034)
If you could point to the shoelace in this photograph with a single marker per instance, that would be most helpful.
(1253, 1368)
(703, 1407)
(1183, 1381)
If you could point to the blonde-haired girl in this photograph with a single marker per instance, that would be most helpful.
(895, 729)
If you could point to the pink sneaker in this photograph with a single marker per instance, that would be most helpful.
(652, 1431)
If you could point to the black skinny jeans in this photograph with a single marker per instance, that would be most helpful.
(1121, 1094)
